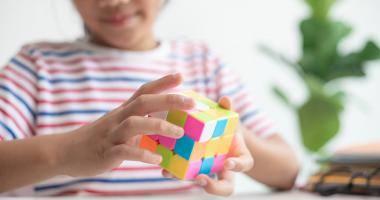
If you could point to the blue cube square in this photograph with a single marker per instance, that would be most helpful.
(206, 165)
(219, 128)
(184, 147)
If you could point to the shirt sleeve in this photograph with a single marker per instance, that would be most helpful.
(18, 94)
(227, 83)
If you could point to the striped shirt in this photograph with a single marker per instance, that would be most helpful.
(52, 88)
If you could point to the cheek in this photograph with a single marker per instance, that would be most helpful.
(89, 17)
(151, 10)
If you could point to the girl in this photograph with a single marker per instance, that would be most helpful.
(71, 112)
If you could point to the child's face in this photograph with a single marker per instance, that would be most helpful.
(124, 24)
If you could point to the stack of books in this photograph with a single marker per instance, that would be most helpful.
(348, 174)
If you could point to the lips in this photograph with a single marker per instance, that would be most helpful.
(118, 19)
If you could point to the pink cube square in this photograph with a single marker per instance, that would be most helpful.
(167, 141)
(193, 128)
(193, 170)
(218, 163)
(154, 137)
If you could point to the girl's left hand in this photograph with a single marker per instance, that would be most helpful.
(240, 160)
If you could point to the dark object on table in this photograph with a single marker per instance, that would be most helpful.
(348, 174)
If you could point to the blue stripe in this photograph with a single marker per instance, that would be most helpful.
(24, 67)
(113, 79)
(246, 116)
(233, 91)
(69, 112)
(22, 101)
(101, 180)
(8, 129)
(98, 79)
(60, 53)
(217, 70)
(196, 81)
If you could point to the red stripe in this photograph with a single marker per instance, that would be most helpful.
(263, 129)
(48, 45)
(19, 87)
(103, 69)
(1, 138)
(85, 100)
(86, 89)
(27, 57)
(239, 97)
(227, 84)
(126, 192)
(72, 61)
(243, 107)
(137, 168)
(31, 129)
(21, 76)
(14, 121)
(61, 124)
(255, 123)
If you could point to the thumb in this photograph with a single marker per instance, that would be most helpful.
(225, 102)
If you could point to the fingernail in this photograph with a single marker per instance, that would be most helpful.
(187, 100)
(178, 131)
(201, 182)
(175, 75)
(157, 159)
(230, 165)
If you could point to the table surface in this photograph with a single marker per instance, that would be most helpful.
(292, 195)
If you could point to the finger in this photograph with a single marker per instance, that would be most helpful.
(166, 174)
(160, 85)
(225, 102)
(125, 152)
(137, 125)
(242, 163)
(223, 187)
(240, 157)
(150, 103)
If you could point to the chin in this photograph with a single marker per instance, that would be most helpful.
(126, 42)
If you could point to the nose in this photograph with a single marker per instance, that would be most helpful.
(112, 3)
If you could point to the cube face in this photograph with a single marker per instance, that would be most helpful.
(148, 143)
(199, 126)
(207, 164)
(167, 141)
(177, 117)
(184, 147)
(219, 128)
(166, 154)
(212, 147)
(218, 163)
(209, 131)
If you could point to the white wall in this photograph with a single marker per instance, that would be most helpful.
(235, 29)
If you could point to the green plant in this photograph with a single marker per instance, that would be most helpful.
(321, 63)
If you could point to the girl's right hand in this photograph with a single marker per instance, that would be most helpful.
(107, 142)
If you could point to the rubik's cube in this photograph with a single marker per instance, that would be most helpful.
(209, 131)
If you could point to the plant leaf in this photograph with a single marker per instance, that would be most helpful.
(353, 64)
(282, 96)
(320, 8)
(320, 45)
(319, 122)
(370, 51)
(281, 58)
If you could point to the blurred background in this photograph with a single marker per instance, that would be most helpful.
(235, 29)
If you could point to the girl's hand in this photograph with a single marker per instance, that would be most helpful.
(107, 142)
(240, 160)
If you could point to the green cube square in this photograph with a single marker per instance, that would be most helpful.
(177, 117)
(166, 154)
